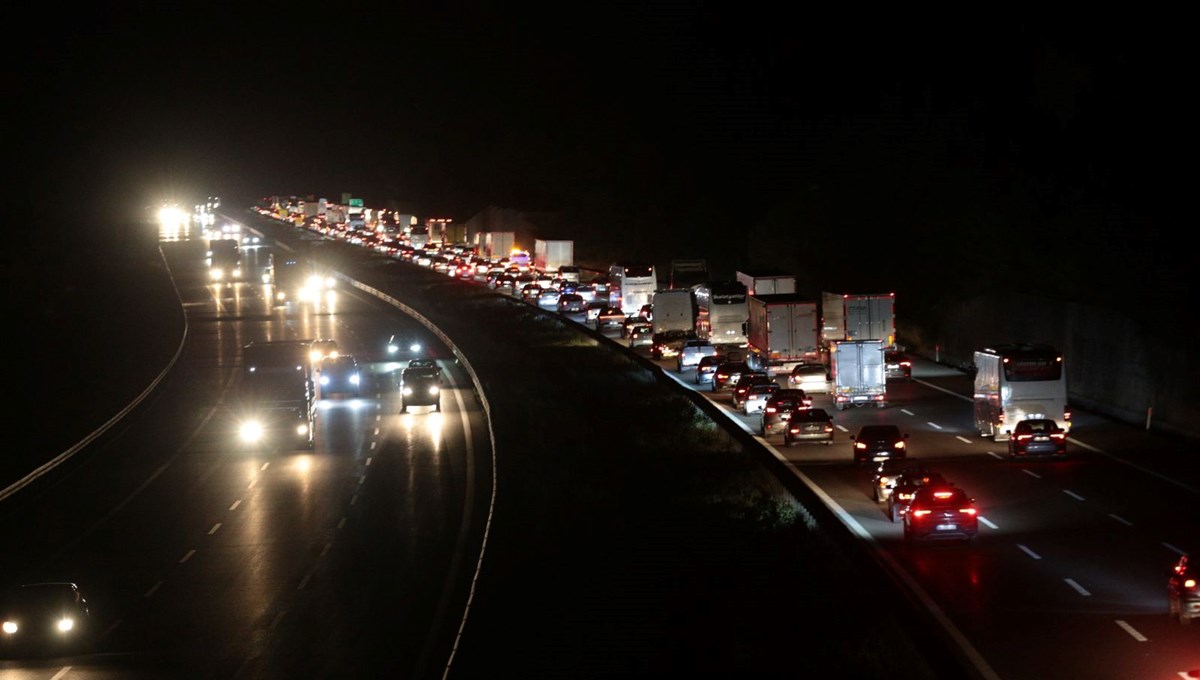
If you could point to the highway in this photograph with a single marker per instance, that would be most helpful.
(202, 558)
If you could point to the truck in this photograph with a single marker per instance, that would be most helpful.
(857, 373)
(688, 273)
(276, 395)
(674, 310)
(782, 330)
(859, 317)
(767, 282)
(224, 260)
(495, 244)
(549, 255)
(418, 236)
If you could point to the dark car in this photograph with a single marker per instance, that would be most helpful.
(1037, 438)
(610, 317)
(43, 617)
(898, 365)
(883, 482)
(809, 425)
(745, 381)
(904, 490)
(941, 513)
(876, 443)
(420, 387)
(706, 369)
(669, 343)
(728, 373)
(1183, 592)
(571, 303)
(779, 409)
(338, 375)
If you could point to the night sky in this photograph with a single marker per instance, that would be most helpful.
(860, 150)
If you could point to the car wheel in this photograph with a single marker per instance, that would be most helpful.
(438, 406)
(892, 514)
(403, 408)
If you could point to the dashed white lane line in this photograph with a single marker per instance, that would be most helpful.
(341, 522)
(1074, 495)
(369, 459)
(276, 620)
(842, 428)
(995, 455)
(235, 505)
(214, 528)
(988, 523)
(372, 446)
(963, 439)
(907, 412)
(304, 581)
(187, 557)
(1177, 551)
(1031, 473)
(1122, 520)
(353, 499)
(1131, 630)
(325, 550)
(153, 589)
(1029, 552)
(377, 432)
(61, 672)
(265, 466)
(251, 484)
(1078, 588)
(934, 425)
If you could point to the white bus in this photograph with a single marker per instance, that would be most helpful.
(722, 311)
(1019, 382)
(632, 285)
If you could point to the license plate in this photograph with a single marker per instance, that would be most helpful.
(947, 527)
(879, 459)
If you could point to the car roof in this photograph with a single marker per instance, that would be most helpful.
(878, 431)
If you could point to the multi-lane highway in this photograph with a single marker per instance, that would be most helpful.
(203, 558)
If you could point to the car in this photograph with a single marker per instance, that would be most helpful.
(319, 349)
(745, 381)
(530, 292)
(809, 425)
(1037, 437)
(940, 512)
(420, 386)
(904, 489)
(694, 350)
(587, 290)
(609, 317)
(338, 374)
(706, 369)
(876, 443)
(669, 343)
(399, 343)
(755, 399)
(571, 303)
(883, 481)
(727, 374)
(810, 377)
(779, 408)
(647, 312)
(48, 617)
(897, 365)
(632, 322)
(642, 336)
(548, 297)
(1183, 592)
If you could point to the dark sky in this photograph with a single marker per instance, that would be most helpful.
(648, 123)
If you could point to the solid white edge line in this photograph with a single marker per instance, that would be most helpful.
(1078, 588)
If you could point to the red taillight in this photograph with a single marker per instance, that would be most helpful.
(1190, 583)
(918, 513)
(829, 428)
(967, 511)
(906, 363)
(808, 403)
(722, 376)
(1058, 435)
(1066, 415)
(899, 445)
(1000, 417)
(943, 494)
(1023, 436)
(771, 409)
(859, 445)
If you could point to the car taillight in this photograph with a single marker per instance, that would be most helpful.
(1066, 414)
(898, 445)
(918, 513)
(722, 376)
(906, 364)
(771, 409)
(859, 445)
(808, 403)
(967, 511)
(942, 494)
(1058, 435)
(1190, 584)
(1000, 417)
(1023, 436)
(829, 428)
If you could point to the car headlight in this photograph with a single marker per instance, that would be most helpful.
(251, 431)
(302, 429)
(433, 390)
(354, 379)
(392, 349)
(415, 347)
(10, 627)
(324, 380)
(407, 391)
(65, 624)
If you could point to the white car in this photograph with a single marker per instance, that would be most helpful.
(756, 399)
(809, 377)
(693, 351)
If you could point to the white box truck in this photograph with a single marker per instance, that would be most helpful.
(859, 317)
(857, 369)
(782, 330)
(549, 255)
(767, 283)
(673, 310)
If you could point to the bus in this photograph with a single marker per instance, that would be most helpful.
(1016, 382)
(631, 285)
(722, 311)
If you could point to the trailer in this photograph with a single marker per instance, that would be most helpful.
(859, 317)
(783, 331)
(548, 255)
(857, 369)
(767, 282)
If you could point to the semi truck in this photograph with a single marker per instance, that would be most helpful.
(224, 260)
(783, 330)
(549, 255)
(767, 282)
(859, 317)
(495, 243)
(858, 375)
(674, 310)
(688, 273)
(276, 392)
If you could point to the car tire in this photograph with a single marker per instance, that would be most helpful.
(438, 406)
(892, 514)
(403, 408)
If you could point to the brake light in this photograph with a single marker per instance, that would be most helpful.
(1190, 583)
(771, 409)
(859, 445)
(942, 494)
(1000, 415)
(1066, 414)
(829, 428)
(967, 511)
(1023, 436)
(1058, 435)
(918, 513)
(898, 445)
(906, 363)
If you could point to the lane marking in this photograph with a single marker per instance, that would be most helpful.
(116, 624)
(1031, 473)
(1173, 549)
(842, 428)
(276, 620)
(963, 439)
(1029, 552)
(235, 505)
(907, 412)
(1078, 588)
(214, 528)
(369, 461)
(341, 523)
(988, 523)
(1122, 520)
(153, 589)
(353, 499)
(1130, 629)
(61, 672)
(251, 484)
(304, 581)
(995, 455)
(325, 550)
(1074, 495)
(188, 556)
(934, 425)
(372, 446)
(265, 466)
(362, 479)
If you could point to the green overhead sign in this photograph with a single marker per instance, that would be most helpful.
(356, 203)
